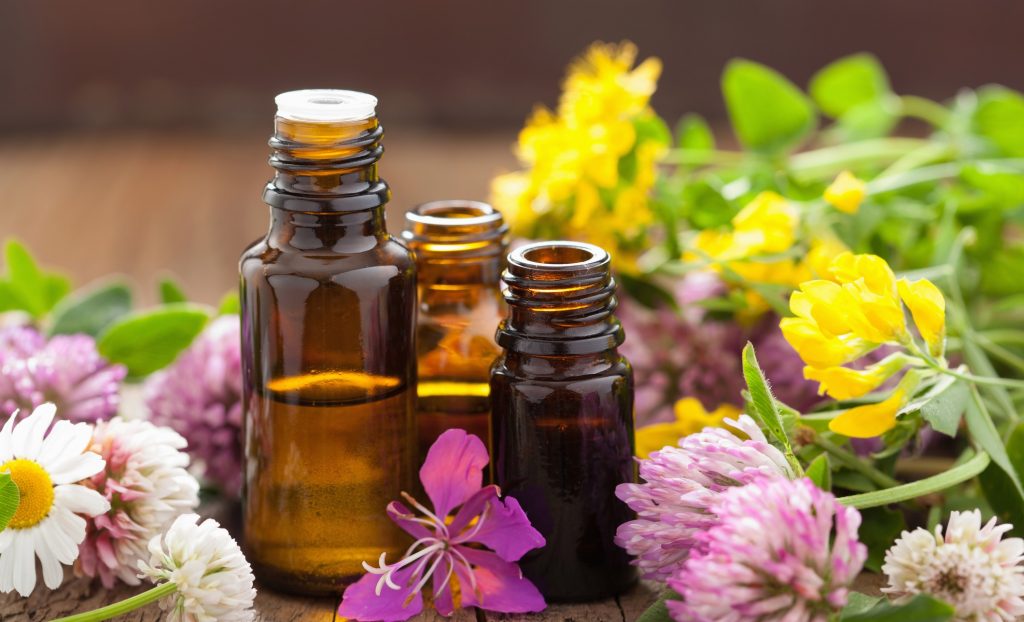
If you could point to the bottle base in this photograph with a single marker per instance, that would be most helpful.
(301, 584)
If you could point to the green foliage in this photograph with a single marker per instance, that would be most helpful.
(921, 608)
(9, 499)
(658, 612)
(819, 471)
(944, 405)
(998, 487)
(146, 341)
(764, 407)
(27, 287)
(171, 292)
(849, 82)
(91, 310)
(229, 304)
(999, 118)
(986, 436)
(769, 113)
(694, 133)
(879, 528)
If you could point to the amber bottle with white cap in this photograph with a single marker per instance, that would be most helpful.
(329, 363)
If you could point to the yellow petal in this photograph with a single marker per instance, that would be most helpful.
(846, 193)
(843, 383)
(872, 269)
(816, 348)
(654, 437)
(928, 308)
(869, 420)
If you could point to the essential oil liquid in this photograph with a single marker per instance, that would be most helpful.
(332, 490)
(447, 404)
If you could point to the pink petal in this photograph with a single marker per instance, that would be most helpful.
(453, 470)
(443, 601)
(500, 585)
(505, 528)
(402, 516)
(360, 601)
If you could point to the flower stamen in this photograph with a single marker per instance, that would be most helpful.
(35, 488)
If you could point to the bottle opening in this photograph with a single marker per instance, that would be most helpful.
(549, 255)
(453, 212)
(325, 105)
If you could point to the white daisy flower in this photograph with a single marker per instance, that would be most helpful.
(47, 524)
(148, 485)
(971, 567)
(212, 579)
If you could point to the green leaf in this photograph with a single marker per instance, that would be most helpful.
(10, 498)
(658, 612)
(849, 82)
(30, 288)
(229, 304)
(879, 528)
(858, 602)
(146, 341)
(764, 406)
(957, 475)
(171, 292)
(820, 472)
(944, 405)
(768, 112)
(921, 608)
(91, 310)
(647, 292)
(694, 133)
(998, 488)
(999, 118)
(984, 434)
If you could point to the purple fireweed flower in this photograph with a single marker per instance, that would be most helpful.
(781, 550)
(66, 370)
(450, 550)
(675, 503)
(200, 397)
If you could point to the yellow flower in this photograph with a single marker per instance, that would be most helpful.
(819, 258)
(869, 420)
(690, 419)
(817, 349)
(846, 193)
(766, 225)
(843, 383)
(575, 184)
(928, 308)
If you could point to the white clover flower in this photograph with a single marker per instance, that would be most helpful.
(47, 523)
(971, 567)
(213, 581)
(147, 484)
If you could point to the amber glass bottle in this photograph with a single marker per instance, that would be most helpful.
(562, 401)
(460, 251)
(328, 318)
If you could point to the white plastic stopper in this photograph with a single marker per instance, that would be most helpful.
(325, 105)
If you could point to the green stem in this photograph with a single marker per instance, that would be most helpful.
(847, 459)
(699, 157)
(124, 606)
(831, 160)
(982, 380)
(935, 483)
(924, 109)
(1001, 353)
(1004, 335)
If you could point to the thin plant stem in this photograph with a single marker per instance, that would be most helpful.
(124, 606)
(905, 492)
(847, 459)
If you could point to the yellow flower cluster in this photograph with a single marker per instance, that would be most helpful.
(765, 228)
(588, 170)
(690, 419)
(856, 309)
(846, 193)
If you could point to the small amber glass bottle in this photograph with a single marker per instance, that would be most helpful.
(562, 401)
(460, 251)
(328, 319)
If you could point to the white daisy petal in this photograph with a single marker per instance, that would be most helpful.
(27, 438)
(65, 439)
(24, 562)
(53, 571)
(7, 569)
(65, 538)
(6, 538)
(76, 468)
(6, 448)
(80, 500)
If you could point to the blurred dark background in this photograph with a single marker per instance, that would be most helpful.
(133, 134)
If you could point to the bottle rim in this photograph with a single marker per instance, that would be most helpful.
(325, 105)
(442, 213)
(559, 256)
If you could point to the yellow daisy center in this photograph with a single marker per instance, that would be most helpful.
(35, 488)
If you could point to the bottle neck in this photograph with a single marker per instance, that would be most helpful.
(326, 167)
(339, 231)
(561, 301)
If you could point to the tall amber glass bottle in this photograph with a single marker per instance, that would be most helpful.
(328, 317)
(460, 250)
(562, 400)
